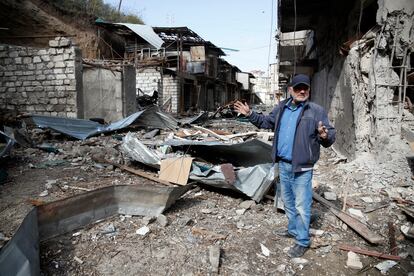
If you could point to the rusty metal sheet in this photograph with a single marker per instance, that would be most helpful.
(20, 256)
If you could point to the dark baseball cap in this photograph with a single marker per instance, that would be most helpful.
(300, 79)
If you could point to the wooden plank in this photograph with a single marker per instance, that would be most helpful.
(176, 170)
(352, 222)
(134, 171)
(369, 252)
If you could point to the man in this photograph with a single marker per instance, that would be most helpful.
(300, 128)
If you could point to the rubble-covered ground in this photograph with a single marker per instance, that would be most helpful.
(205, 219)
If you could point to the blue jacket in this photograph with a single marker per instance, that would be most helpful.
(306, 147)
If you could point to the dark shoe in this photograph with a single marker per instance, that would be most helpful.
(297, 251)
(282, 233)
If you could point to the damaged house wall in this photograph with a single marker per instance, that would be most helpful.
(108, 94)
(151, 79)
(41, 81)
(359, 87)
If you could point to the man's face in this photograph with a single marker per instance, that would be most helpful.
(299, 93)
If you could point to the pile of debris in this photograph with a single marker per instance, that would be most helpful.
(172, 155)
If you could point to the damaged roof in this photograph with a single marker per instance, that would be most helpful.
(157, 36)
(132, 30)
(188, 36)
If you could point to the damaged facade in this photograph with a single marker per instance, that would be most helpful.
(361, 68)
(187, 72)
(92, 213)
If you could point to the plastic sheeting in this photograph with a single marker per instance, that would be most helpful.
(82, 129)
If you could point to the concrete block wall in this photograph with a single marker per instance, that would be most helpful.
(148, 80)
(39, 81)
(170, 89)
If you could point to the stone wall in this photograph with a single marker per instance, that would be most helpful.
(39, 81)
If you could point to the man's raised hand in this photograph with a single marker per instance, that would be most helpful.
(242, 108)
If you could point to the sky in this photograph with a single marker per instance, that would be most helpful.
(244, 25)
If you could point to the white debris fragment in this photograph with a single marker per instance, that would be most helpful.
(162, 220)
(408, 230)
(206, 211)
(300, 261)
(240, 211)
(247, 204)
(281, 268)
(214, 256)
(76, 234)
(316, 232)
(265, 250)
(44, 193)
(78, 260)
(143, 231)
(384, 266)
(49, 183)
(367, 199)
(356, 212)
(330, 196)
(353, 261)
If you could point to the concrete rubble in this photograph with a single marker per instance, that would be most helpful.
(198, 223)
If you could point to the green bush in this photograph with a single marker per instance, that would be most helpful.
(95, 8)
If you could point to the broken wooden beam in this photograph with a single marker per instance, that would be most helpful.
(133, 171)
(212, 133)
(391, 235)
(352, 222)
(368, 252)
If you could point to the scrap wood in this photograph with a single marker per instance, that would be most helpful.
(36, 202)
(400, 200)
(134, 171)
(74, 188)
(212, 133)
(251, 133)
(352, 222)
(369, 252)
(183, 133)
(376, 207)
(207, 233)
(176, 170)
(391, 235)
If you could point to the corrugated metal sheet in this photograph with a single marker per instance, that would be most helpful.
(151, 117)
(20, 256)
(146, 32)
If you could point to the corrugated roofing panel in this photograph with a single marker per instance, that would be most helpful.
(146, 32)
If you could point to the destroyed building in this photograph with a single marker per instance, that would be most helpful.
(144, 191)
(360, 56)
(187, 72)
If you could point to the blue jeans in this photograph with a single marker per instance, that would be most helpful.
(296, 192)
